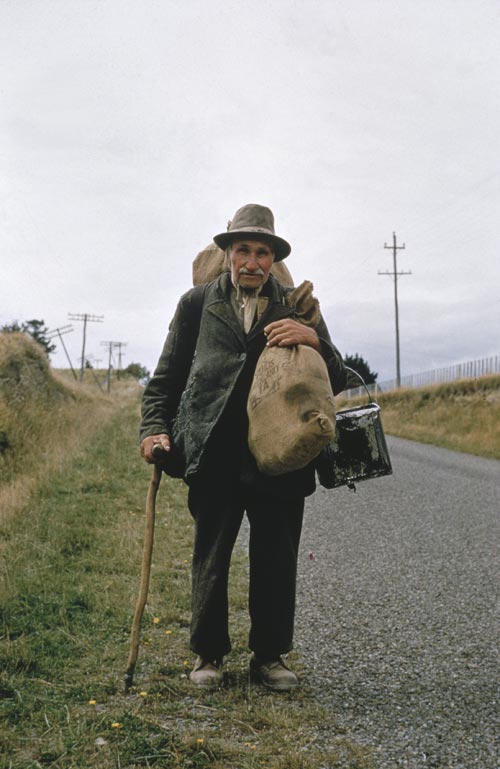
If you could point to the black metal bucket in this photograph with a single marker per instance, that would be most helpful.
(359, 450)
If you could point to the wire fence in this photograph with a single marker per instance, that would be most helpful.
(471, 369)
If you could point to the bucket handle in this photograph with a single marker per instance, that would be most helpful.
(370, 398)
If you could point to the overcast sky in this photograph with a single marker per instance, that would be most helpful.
(131, 131)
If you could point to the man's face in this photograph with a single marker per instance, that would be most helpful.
(251, 262)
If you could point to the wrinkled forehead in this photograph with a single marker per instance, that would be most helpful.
(252, 243)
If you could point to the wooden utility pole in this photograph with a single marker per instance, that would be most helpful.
(86, 318)
(120, 355)
(59, 332)
(90, 361)
(110, 346)
(395, 248)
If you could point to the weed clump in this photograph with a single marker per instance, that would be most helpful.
(24, 371)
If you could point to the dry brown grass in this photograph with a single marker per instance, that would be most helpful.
(463, 415)
(45, 418)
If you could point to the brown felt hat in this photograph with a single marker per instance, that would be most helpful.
(254, 220)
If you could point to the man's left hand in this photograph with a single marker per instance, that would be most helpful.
(289, 332)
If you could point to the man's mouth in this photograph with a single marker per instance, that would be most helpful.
(247, 274)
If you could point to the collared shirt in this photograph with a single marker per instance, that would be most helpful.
(244, 303)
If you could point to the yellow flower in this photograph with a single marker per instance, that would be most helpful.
(143, 694)
(116, 725)
(168, 632)
(200, 741)
(91, 702)
(156, 620)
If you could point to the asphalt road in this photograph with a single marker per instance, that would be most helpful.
(398, 618)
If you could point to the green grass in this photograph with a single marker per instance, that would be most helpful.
(70, 579)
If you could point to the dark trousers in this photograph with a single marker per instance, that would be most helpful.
(275, 527)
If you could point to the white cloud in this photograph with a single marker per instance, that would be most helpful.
(132, 131)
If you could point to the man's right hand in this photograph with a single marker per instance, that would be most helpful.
(149, 443)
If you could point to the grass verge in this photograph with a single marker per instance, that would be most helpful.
(69, 585)
(44, 418)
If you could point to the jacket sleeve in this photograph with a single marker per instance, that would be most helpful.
(332, 358)
(162, 394)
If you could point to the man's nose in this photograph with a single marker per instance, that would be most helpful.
(252, 262)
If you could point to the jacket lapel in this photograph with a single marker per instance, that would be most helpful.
(220, 307)
(276, 310)
(225, 313)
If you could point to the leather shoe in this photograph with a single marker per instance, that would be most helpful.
(273, 673)
(207, 674)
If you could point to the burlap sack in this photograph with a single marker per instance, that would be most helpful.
(209, 264)
(290, 408)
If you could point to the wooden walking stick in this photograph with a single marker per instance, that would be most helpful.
(145, 569)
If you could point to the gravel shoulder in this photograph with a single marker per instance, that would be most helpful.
(398, 614)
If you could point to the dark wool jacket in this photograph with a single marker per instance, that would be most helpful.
(199, 390)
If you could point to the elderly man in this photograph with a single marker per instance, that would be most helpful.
(194, 407)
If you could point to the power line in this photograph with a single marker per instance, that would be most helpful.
(86, 318)
(395, 248)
